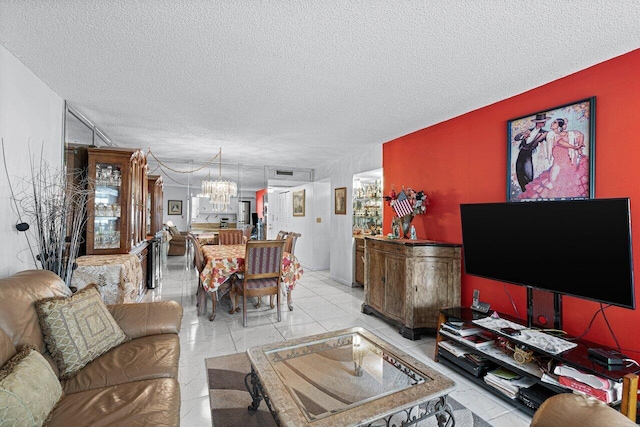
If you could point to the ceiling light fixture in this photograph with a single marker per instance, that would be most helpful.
(219, 192)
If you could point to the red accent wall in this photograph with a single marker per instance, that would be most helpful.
(260, 203)
(464, 160)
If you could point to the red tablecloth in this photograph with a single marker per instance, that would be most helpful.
(221, 261)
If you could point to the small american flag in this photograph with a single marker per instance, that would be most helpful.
(402, 206)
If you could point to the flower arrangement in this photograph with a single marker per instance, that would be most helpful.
(417, 202)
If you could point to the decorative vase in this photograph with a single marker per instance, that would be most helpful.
(406, 224)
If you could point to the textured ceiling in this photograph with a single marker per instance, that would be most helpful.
(290, 83)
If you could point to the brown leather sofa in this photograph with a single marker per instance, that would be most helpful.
(178, 244)
(177, 240)
(134, 383)
(569, 410)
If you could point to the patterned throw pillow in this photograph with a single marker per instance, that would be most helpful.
(173, 230)
(78, 329)
(29, 390)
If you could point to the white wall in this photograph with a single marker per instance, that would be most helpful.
(322, 229)
(31, 117)
(312, 250)
(340, 174)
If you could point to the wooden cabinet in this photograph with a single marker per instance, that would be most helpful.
(154, 204)
(116, 202)
(359, 260)
(407, 282)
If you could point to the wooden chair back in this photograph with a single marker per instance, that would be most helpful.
(281, 235)
(262, 272)
(290, 242)
(246, 232)
(198, 257)
(230, 237)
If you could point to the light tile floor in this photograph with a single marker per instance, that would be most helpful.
(320, 305)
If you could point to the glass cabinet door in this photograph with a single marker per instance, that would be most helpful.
(107, 206)
(117, 200)
(367, 207)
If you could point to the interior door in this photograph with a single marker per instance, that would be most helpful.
(244, 212)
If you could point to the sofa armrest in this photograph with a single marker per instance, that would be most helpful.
(143, 319)
(568, 410)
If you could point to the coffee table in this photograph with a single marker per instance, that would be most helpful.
(349, 377)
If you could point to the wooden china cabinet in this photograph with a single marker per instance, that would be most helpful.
(116, 204)
(116, 210)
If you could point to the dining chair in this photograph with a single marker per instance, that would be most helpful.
(198, 263)
(262, 274)
(201, 294)
(281, 235)
(246, 232)
(290, 245)
(230, 237)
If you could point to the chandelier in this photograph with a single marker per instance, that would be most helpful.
(219, 192)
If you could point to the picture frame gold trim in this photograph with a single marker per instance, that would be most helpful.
(298, 202)
(174, 207)
(340, 201)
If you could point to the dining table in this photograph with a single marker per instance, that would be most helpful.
(223, 261)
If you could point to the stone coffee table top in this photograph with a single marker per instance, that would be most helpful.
(348, 377)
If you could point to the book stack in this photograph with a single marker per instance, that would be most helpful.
(456, 349)
(460, 328)
(592, 385)
(460, 356)
(477, 340)
(507, 382)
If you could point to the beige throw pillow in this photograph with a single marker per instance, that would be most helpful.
(29, 390)
(78, 329)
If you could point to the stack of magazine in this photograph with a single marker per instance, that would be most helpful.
(466, 334)
(461, 356)
(507, 382)
(460, 328)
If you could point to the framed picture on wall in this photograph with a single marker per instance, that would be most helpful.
(341, 201)
(298, 203)
(174, 207)
(551, 153)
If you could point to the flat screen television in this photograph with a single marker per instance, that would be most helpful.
(580, 248)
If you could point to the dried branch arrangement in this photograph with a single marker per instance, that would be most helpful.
(51, 206)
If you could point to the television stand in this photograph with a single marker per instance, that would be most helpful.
(576, 357)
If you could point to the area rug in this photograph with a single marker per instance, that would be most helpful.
(229, 398)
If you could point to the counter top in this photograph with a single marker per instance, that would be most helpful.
(362, 235)
(409, 242)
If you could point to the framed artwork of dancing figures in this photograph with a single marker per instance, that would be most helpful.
(551, 153)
